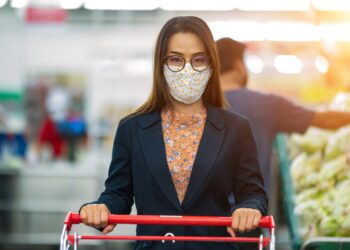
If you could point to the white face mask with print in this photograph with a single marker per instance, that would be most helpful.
(187, 86)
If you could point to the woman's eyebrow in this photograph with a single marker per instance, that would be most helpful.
(200, 53)
(194, 54)
(175, 52)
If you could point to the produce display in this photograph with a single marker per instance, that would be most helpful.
(320, 172)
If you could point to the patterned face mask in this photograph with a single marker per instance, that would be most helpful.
(187, 86)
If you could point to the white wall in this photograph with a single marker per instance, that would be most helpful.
(10, 61)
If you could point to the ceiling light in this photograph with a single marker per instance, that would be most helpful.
(122, 5)
(202, 5)
(71, 4)
(255, 64)
(273, 5)
(238, 30)
(2, 3)
(322, 64)
(292, 31)
(327, 5)
(19, 3)
(288, 64)
(335, 32)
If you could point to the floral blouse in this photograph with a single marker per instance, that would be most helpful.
(182, 134)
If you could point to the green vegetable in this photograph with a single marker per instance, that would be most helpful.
(338, 144)
(320, 171)
(329, 226)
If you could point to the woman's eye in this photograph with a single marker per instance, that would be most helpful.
(175, 59)
(199, 60)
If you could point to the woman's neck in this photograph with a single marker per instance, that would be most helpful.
(193, 108)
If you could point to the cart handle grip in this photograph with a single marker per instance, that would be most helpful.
(74, 218)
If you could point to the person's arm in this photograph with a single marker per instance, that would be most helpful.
(250, 196)
(331, 119)
(289, 117)
(117, 198)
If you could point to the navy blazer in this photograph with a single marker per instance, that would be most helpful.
(226, 162)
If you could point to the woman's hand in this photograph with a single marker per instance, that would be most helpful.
(96, 215)
(244, 220)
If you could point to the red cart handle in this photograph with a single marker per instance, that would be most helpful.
(74, 218)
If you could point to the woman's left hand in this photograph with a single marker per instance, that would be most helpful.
(244, 220)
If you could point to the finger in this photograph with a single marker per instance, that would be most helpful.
(231, 232)
(235, 221)
(242, 221)
(90, 216)
(83, 216)
(256, 221)
(250, 220)
(97, 217)
(108, 228)
(104, 217)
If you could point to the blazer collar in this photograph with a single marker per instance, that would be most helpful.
(214, 116)
(147, 120)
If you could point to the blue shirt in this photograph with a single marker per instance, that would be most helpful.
(268, 114)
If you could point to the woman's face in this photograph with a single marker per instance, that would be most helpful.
(186, 85)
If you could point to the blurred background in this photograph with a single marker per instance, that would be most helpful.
(70, 69)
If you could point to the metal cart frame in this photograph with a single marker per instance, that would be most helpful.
(68, 239)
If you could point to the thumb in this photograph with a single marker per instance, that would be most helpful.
(108, 229)
(231, 232)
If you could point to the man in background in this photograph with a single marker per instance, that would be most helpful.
(268, 114)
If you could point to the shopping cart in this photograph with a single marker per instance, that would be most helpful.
(68, 239)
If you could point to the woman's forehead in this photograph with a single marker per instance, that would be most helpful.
(185, 43)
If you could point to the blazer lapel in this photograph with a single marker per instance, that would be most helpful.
(208, 150)
(151, 137)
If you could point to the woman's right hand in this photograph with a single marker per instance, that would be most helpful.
(96, 215)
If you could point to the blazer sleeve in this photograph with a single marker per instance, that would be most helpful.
(118, 193)
(248, 184)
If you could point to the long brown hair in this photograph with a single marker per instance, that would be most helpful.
(160, 96)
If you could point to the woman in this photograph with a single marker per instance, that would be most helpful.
(181, 153)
